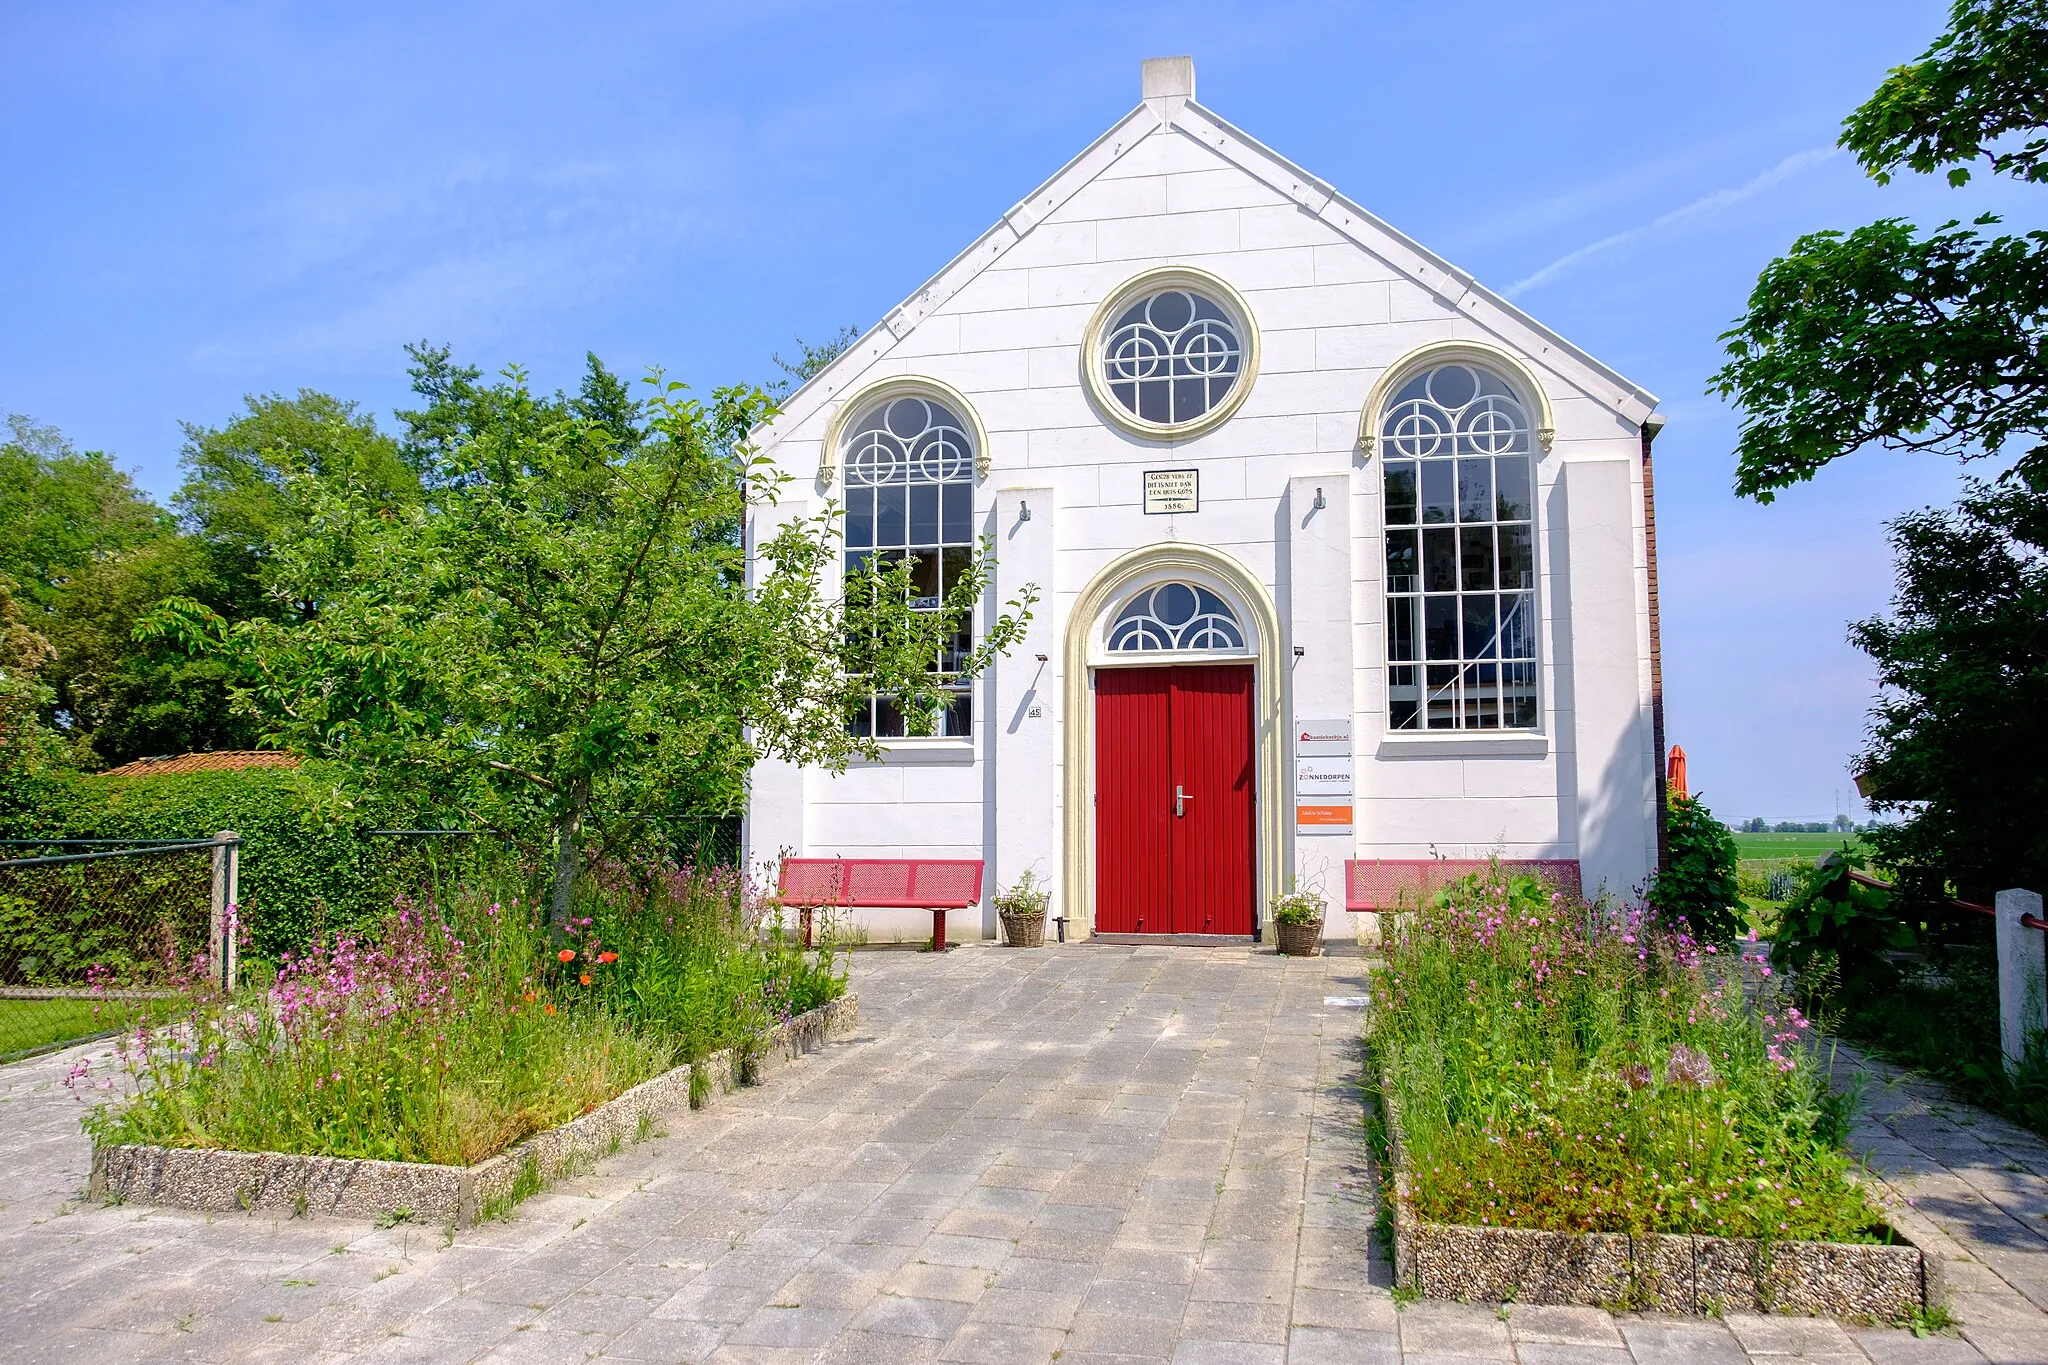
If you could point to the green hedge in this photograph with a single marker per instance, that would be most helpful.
(308, 865)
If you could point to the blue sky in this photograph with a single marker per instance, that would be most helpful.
(211, 200)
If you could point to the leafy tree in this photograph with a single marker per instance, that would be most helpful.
(1698, 884)
(28, 748)
(238, 497)
(562, 636)
(811, 359)
(1885, 335)
(1957, 744)
(128, 698)
(60, 510)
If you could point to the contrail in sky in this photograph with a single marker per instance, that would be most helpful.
(1705, 204)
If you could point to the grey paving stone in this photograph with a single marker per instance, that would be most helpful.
(1193, 1351)
(1001, 1343)
(1334, 1346)
(898, 1316)
(666, 1339)
(1112, 1334)
(1679, 1342)
(1561, 1353)
(1453, 1329)
(1891, 1346)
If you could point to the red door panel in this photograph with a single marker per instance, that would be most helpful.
(1133, 806)
(1161, 732)
(1212, 764)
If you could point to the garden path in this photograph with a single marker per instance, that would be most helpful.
(1108, 1153)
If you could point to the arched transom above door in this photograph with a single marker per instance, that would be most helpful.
(1175, 616)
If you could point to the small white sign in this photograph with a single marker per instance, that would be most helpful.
(1171, 491)
(1318, 778)
(1323, 738)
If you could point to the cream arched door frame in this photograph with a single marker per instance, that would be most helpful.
(1078, 739)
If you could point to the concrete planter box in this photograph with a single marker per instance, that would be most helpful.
(1662, 1272)
(212, 1181)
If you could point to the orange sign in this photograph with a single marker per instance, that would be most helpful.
(1322, 815)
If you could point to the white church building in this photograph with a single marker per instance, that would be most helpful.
(1342, 559)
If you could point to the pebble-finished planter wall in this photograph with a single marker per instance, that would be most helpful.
(1663, 1272)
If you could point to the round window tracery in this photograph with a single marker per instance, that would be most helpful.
(1455, 410)
(1172, 357)
(909, 440)
(1175, 616)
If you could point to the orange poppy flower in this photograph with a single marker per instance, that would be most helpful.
(607, 957)
(549, 1008)
(567, 955)
(585, 978)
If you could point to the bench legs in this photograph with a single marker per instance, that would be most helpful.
(938, 931)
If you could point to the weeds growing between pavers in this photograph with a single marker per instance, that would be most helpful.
(462, 1027)
(1570, 1068)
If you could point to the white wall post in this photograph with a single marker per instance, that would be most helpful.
(2022, 975)
(1022, 799)
(1321, 681)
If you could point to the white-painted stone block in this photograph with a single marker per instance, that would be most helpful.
(1055, 243)
(1348, 263)
(1222, 188)
(1023, 329)
(1166, 235)
(1361, 305)
(1130, 197)
(2022, 976)
(1279, 225)
(1165, 152)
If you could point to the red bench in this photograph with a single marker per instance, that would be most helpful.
(934, 884)
(1373, 884)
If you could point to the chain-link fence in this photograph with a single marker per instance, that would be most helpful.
(94, 938)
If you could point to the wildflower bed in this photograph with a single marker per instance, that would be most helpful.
(461, 1028)
(1553, 1068)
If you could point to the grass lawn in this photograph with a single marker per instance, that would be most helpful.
(1754, 846)
(28, 1025)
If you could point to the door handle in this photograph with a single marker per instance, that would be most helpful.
(1180, 800)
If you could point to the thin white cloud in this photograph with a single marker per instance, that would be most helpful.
(1699, 208)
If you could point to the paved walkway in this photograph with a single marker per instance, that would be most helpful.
(1087, 1153)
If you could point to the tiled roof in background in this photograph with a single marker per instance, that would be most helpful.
(224, 761)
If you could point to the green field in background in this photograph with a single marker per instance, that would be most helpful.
(31, 1025)
(1753, 846)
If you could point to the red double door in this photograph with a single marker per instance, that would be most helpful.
(1173, 800)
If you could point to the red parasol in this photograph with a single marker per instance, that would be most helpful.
(1675, 774)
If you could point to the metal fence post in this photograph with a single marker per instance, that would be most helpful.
(227, 849)
(2022, 975)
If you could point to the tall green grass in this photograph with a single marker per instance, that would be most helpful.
(462, 1026)
(1564, 1067)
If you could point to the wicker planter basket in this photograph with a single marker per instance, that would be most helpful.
(1024, 931)
(1299, 940)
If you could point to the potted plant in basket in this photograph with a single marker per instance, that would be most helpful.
(1298, 922)
(1023, 910)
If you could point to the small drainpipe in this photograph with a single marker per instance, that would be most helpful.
(1652, 425)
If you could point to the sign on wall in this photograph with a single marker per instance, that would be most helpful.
(1172, 491)
(1322, 776)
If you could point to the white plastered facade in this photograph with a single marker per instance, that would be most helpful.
(1344, 308)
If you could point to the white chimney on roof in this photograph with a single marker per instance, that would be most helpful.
(1167, 78)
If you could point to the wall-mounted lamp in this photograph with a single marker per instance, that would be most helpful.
(1299, 651)
(1041, 658)
(1320, 503)
(1023, 511)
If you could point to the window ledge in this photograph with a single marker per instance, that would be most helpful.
(1464, 744)
(952, 749)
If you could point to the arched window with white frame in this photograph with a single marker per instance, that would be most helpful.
(1458, 475)
(910, 467)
